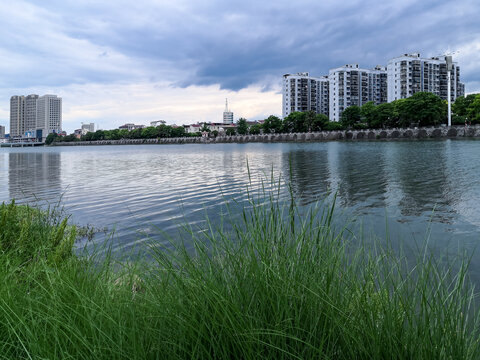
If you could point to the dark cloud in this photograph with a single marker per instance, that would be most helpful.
(238, 43)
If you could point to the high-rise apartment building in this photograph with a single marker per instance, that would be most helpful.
(17, 117)
(2, 132)
(49, 114)
(302, 92)
(227, 114)
(409, 74)
(351, 85)
(31, 114)
(323, 94)
(378, 84)
(461, 90)
(34, 116)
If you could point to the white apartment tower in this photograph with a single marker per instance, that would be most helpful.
(31, 114)
(227, 114)
(49, 114)
(409, 74)
(302, 92)
(323, 94)
(17, 118)
(351, 85)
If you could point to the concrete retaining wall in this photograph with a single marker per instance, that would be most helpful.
(374, 134)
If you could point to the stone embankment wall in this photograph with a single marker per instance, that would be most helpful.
(375, 134)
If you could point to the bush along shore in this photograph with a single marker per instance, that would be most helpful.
(278, 285)
(369, 134)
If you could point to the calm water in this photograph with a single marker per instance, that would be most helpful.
(145, 189)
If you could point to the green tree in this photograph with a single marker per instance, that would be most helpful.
(295, 122)
(215, 133)
(98, 135)
(113, 134)
(384, 115)
(401, 113)
(309, 121)
(321, 120)
(135, 134)
(205, 128)
(51, 138)
(87, 137)
(272, 124)
(254, 129)
(426, 109)
(333, 125)
(368, 113)
(178, 131)
(230, 131)
(164, 131)
(461, 104)
(242, 126)
(123, 133)
(473, 110)
(350, 116)
(149, 132)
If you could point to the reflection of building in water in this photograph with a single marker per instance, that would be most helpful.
(34, 176)
(431, 188)
(362, 176)
(308, 173)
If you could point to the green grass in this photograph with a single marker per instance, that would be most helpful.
(279, 285)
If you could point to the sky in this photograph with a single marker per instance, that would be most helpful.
(116, 62)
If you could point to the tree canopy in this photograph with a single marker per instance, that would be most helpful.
(242, 126)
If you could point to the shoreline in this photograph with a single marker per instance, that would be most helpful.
(452, 132)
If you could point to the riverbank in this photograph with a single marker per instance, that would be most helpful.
(279, 285)
(373, 134)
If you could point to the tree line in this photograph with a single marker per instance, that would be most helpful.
(421, 109)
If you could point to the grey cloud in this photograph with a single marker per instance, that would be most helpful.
(238, 43)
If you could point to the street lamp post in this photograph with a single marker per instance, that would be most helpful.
(448, 59)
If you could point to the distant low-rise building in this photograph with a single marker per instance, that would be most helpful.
(157, 123)
(86, 128)
(131, 127)
(196, 128)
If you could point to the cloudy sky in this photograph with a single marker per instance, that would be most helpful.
(122, 61)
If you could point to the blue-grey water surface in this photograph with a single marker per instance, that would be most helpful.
(407, 186)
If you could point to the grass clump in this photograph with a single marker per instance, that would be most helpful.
(29, 235)
(278, 285)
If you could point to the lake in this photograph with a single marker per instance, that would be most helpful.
(405, 188)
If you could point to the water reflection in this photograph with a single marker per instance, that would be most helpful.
(151, 189)
(425, 180)
(361, 175)
(34, 176)
(308, 172)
